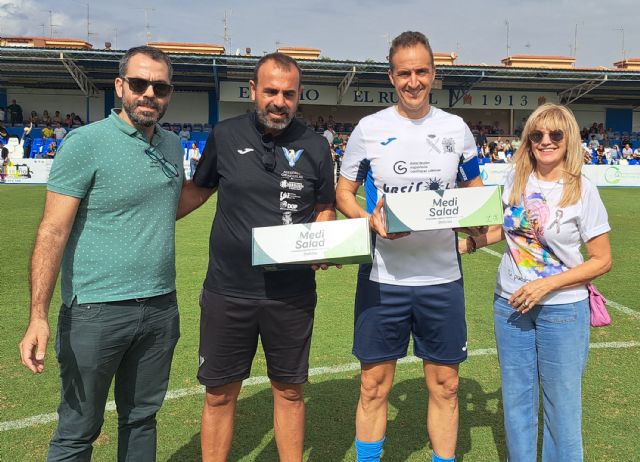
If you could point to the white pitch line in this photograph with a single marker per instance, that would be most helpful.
(43, 419)
(623, 309)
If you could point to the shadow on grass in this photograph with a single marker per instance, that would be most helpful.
(330, 431)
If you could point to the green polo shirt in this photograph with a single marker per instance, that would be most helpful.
(122, 244)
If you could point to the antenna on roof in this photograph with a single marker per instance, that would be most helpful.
(226, 36)
(147, 26)
(89, 33)
(624, 52)
(51, 24)
(506, 23)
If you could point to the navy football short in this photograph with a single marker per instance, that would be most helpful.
(387, 315)
(229, 331)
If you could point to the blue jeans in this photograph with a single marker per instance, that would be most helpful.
(132, 341)
(546, 347)
(192, 167)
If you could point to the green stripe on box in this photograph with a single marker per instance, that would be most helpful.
(348, 247)
(394, 224)
(260, 257)
(490, 213)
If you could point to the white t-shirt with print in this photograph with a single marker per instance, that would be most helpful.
(560, 230)
(410, 155)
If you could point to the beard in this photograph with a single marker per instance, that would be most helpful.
(263, 117)
(144, 118)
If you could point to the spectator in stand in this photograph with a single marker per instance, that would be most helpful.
(627, 152)
(76, 120)
(47, 132)
(493, 154)
(584, 133)
(68, 121)
(586, 154)
(337, 151)
(57, 118)
(485, 153)
(594, 143)
(51, 150)
(600, 133)
(515, 144)
(482, 136)
(194, 158)
(59, 132)
(601, 158)
(2, 114)
(615, 154)
(4, 164)
(34, 118)
(636, 153)
(46, 119)
(185, 134)
(26, 142)
(15, 112)
(329, 134)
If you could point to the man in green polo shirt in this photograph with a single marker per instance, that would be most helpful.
(109, 221)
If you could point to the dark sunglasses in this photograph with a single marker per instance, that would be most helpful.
(554, 135)
(138, 85)
(170, 170)
(268, 154)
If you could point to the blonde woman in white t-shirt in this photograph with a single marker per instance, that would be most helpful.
(541, 306)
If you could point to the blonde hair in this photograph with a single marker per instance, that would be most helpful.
(550, 116)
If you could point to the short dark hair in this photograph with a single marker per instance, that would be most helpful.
(409, 39)
(154, 53)
(283, 61)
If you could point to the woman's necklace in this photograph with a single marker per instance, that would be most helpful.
(559, 211)
(542, 194)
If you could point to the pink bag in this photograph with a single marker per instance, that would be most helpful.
(599, 314)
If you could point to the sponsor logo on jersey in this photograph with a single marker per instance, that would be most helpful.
(292, 185)
(245, 150)
(292, 175)
(449, 145)
(287, 219)
(292, 155)
(288, 195)
(284, 205)
(400, 167)
(389, 140)
(436, 184)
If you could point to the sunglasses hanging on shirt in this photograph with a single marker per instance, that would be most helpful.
(268, 153)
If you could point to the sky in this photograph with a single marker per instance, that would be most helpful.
(597, 33)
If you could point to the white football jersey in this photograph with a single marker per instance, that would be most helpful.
(405, 156)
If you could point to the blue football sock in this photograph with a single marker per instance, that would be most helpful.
(368, 451)
(436, 458)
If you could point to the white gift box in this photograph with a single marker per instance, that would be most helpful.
(332, 242)
(448, 208)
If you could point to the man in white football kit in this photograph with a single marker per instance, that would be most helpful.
(414, 286)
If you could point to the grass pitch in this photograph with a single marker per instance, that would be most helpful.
(611, 391)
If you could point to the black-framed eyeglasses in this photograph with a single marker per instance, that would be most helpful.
(554, 135)
(170, 170)
(268, 154)
(138, 85)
